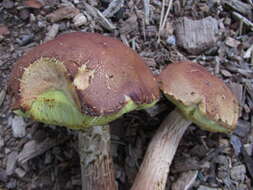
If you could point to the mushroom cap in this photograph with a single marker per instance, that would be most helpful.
(99, 73)
(200, 96)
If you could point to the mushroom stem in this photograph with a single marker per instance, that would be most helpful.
(160, 153)
(96, 161)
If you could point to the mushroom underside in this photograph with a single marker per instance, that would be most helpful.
(193, 112)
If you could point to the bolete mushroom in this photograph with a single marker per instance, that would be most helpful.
(80, 80)
(200, 98)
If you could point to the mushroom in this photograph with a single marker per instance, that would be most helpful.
(200, 98)
(83, 81)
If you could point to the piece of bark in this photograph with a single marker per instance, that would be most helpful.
(195, 36)
(185, 181)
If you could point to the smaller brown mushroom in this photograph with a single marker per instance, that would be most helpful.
(201, 98)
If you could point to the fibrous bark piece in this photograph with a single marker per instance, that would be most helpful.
(195, 36)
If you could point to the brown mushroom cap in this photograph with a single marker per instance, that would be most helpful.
(103, 71)
(200, 95)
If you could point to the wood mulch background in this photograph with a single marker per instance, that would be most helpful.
(215, 33)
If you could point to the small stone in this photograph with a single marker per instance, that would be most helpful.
(231, 42)
(35, 4)
(65, 12)
(80, 20)
(25, 39)
(52, 32)
(11, 162)
(4, 30)
(8, 4)
(18, 127)
(20, 172)
(171, 40)
(238, 173)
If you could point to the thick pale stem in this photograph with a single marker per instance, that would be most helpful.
(154, 170)
(96, 161)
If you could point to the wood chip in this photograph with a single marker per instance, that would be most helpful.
(129, 25)
(231, 42)
(35, 4)
(52, 32)
(64, 12)
(236, 144)
(32, 149)
(146, 11)
(2, 96)
(248, 162)
(11, 162)
(225, 73)
(246, 21)
(202, 187)
(239, 6)
(195, 36)
(185, 181)
(188, 164)
(20, 172)
(238, 172)
(99, 17)
(248, 53)
(113, 8)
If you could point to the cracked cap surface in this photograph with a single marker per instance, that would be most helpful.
(102, 71)
(190, 85)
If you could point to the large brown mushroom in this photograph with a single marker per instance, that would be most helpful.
(80, 80)
(201, 98)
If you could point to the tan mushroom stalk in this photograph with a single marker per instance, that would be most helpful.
(83, 81)
(201, 98)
